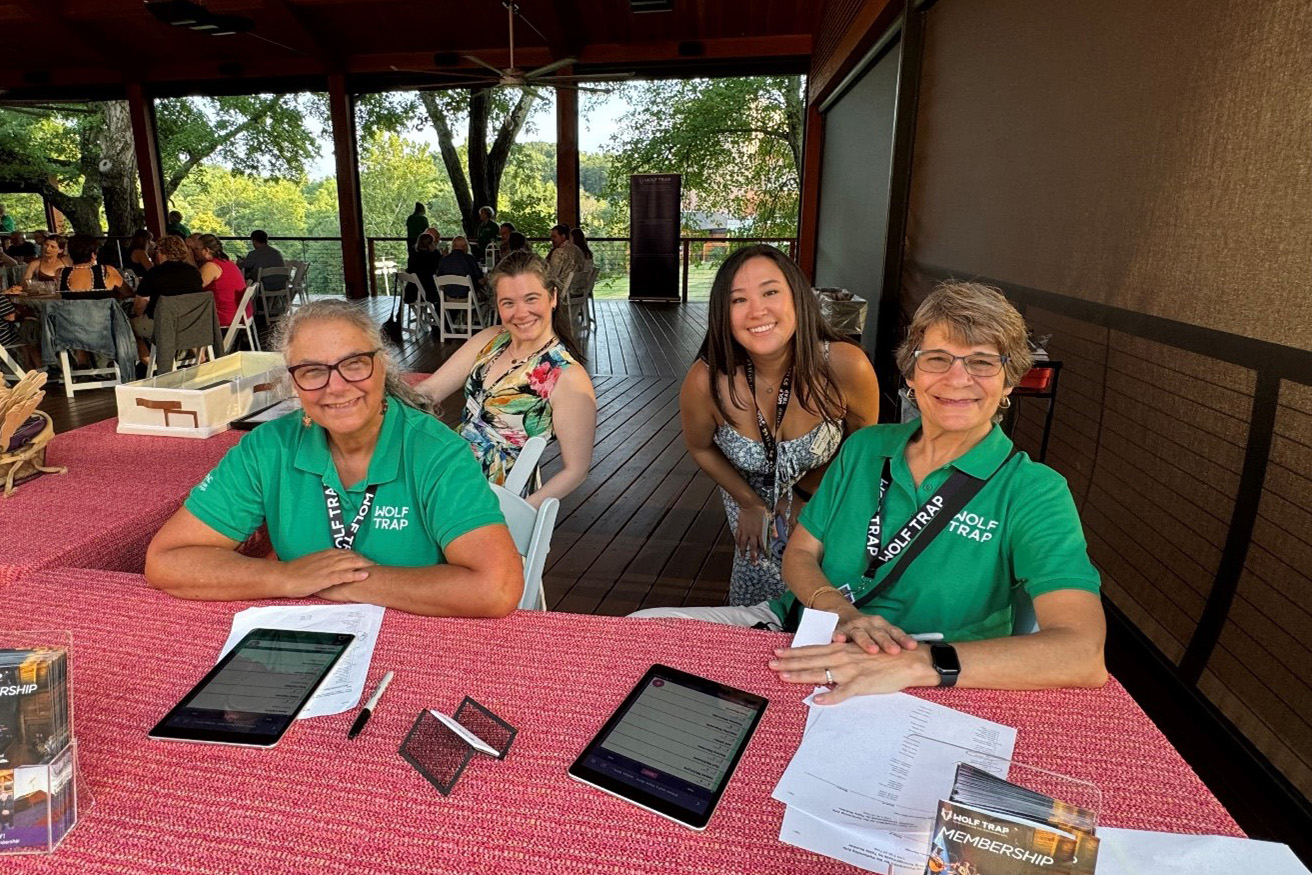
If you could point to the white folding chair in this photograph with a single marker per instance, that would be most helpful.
(264, 294)
(526, 465)
(1023, 621)
(419, 314)
(300, 270)
(242, 322)
(16, 371)
(451, 306)
(575, 292)
(181, 359)
(531, 530)
(593, 274)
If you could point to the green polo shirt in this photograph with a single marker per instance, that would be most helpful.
(1021, 529)
(430, 490)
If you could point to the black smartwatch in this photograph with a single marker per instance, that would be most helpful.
(945, 662)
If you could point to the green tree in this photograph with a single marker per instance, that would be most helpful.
(737, 142)
(394, 173)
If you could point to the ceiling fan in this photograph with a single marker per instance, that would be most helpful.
(515, 77)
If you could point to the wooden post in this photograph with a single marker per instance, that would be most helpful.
(341, 104)
(808, 220)
(141, 108)
(567, 156)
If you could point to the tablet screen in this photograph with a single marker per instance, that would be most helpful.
(256, 691)
(673, 744)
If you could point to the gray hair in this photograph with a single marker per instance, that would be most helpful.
(357, 316)
(972, 313)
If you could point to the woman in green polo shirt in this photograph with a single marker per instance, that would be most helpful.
(995, 525)
(367, 496)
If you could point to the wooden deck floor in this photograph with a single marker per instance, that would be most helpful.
(647, 527)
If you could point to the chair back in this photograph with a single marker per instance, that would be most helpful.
(242, 322)
(1023, 621)
(531, 530)
(299, 271)
(184, 322)
(450, 326)
(526, 464)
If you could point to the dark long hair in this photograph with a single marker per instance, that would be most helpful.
(522, 261)
(814, 382)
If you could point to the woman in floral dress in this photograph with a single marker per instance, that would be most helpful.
(523, 378)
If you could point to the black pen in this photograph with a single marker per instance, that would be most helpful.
(363, 717)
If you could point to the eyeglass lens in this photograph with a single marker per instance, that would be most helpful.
(937, 361)
(315, 376)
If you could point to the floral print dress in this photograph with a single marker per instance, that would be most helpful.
(499, 418)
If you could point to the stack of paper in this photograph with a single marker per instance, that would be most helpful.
(865, 782)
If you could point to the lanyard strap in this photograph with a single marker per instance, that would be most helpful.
(781, 405)
(878, 552)
(343, 537)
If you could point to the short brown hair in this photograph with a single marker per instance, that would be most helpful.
(172, 247)
(972, 313)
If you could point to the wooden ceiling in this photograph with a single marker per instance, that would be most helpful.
(93, 48)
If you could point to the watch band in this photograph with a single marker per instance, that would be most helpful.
(944, 659)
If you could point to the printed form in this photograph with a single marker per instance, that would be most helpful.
(342, 689)
(873, 806)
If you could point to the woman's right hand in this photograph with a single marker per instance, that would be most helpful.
(748, 540)
(317, 571)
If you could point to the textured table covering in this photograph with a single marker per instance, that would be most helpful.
(318, 803)
(118, 491)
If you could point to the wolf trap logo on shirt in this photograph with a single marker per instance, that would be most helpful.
(973, 526)
(389, 516)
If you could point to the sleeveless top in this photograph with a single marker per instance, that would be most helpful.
(228, 287)
(97, 278)
(499, 418)
(752, 582)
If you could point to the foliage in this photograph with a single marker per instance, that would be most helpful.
(737, 142)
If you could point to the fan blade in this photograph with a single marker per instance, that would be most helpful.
(570, 86)
(550, 68)
(595, 77)
(480, 62)
(470, 77)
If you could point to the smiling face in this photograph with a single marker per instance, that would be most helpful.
(761, 312)
(525, 305)
(955, 401)
(341, 407)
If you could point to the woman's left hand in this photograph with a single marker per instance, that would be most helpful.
(853, 670)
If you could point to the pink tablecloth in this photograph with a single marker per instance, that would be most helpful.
(318, 803)
(118, 491)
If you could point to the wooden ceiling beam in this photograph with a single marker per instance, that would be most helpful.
(74, 39)
(303, 30)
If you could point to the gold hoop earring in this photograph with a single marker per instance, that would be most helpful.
(1005, 403)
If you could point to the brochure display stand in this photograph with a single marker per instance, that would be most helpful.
(39, 792)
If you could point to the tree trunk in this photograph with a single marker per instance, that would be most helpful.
(118, 178)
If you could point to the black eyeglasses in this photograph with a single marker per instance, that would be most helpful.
(354, 368)
(978, 364)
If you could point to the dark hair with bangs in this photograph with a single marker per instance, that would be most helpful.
(814, 382)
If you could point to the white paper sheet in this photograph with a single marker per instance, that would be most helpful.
(883, 852)
(1135, 852)
(342, 689)
(883, 762)
(815, 627)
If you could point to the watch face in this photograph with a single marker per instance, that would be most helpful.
(945, 659)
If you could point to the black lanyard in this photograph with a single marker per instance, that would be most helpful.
(877, 552)
(781, 406)
(343, 537)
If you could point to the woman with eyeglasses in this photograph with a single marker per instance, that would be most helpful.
(368, 497)
(928, 531)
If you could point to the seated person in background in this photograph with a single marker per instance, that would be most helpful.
(580, 240)
(516, 242)
(220, 276)
(368, 497)
(171, 276)
(139, 254)
(262, 255)
(85, 278)
(422, 262)
(47, 267)
(7, 261)
(965, 350)
(20, 334)
(764, 445)
(20, 248)
(564, 258)
(523, 378)
(505, 229)
(458, 262)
